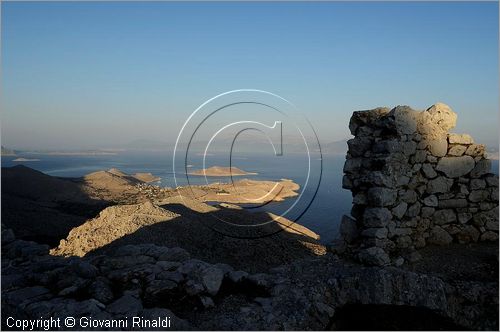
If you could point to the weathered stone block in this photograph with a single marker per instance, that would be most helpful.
(376, 217)
(475, 150)
(460, 139)
(457, 150)
(452, 203)
(478, 195)
(380, 233)
(482, 167)
(348, 229)
(439, 185)
(442, 217)
(400, 210)
(379, 196)
(439, 236)
(374, 256)
(454, 167)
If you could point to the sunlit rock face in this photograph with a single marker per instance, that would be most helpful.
(414, 184)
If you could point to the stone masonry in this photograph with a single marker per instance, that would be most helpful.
(414, 184)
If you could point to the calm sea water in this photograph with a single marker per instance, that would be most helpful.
(320, 207)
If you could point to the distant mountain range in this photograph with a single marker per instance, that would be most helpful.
(7, 152)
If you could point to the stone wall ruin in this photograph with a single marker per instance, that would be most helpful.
(414, 184)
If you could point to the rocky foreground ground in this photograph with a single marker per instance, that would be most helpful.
(314, 293)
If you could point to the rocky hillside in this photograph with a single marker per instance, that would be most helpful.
(59, 204)
(199, 228)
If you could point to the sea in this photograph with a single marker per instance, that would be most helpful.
(319, 206)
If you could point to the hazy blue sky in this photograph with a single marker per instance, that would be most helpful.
(100, 74)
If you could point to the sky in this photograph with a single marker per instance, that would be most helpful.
(88, 74)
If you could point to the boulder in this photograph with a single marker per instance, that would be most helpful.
(454, 167)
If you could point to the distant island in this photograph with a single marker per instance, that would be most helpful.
(221, 171)
(25, 159)
(74, 153)
(7, 152)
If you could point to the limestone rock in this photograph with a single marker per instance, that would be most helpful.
(438, 146)
(454, 167)
(457, 150)
(442, 115)
(475, 150)
(460, 139)
(404, 119)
